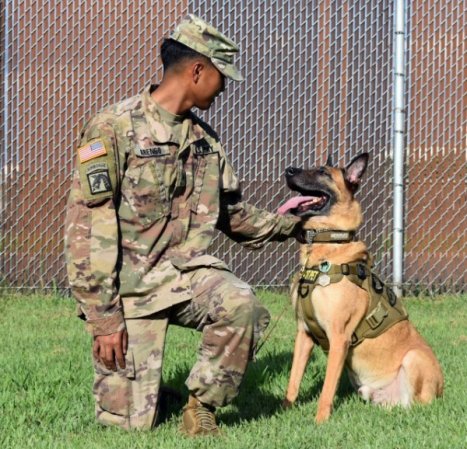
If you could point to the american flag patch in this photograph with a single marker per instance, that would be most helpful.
(91, 150)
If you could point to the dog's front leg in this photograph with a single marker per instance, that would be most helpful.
(338, 348)
(301, 354)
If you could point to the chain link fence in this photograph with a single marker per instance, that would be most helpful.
(318, 81)
(436, 195)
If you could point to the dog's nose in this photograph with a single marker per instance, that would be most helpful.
(290, 171)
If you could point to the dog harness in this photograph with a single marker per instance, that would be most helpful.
(384, 309)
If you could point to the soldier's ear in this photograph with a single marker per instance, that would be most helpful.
(354, 171)
(196, 71)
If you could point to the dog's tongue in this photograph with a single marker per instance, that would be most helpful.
(293, 203)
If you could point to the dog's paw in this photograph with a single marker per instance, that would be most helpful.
(322, 415)
(287, 404)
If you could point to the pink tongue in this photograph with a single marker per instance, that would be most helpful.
(293, 203)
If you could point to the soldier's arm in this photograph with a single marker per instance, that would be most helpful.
(92, 230)
(243, 222)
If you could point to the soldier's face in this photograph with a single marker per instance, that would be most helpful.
(210, 84)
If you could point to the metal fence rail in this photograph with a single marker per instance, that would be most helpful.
(318, 81)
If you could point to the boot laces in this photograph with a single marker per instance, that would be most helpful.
(207, 420)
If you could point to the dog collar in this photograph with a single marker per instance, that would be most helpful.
(328, 236)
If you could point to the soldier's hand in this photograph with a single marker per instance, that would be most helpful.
(111, 349)
(300, 233)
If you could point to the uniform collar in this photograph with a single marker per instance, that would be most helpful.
(162, 133)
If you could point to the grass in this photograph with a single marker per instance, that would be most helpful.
(46, 377)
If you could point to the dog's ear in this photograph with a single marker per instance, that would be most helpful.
(354, 171)
(329, 160)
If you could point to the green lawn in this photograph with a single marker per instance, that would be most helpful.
(46, 376)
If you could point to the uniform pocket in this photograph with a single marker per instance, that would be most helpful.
(144, 195)
(206, 184)
(113, 391)
(199, 262)
(127, 372)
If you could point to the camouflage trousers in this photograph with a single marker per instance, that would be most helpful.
(231, 320)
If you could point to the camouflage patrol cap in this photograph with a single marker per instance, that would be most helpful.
(206, 40)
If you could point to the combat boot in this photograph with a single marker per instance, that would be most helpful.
(198, 419)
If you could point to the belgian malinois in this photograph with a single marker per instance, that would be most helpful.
(396, 367)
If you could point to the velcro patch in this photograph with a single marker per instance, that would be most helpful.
(92, 150)
(202, 148)
(99, 181)
(309, 275)
(152, 151)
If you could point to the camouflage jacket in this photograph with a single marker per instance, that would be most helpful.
(142, 211)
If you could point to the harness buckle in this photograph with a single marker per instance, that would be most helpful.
(303, 290)
(378, 286)
(377, 316)
(345, 269)
(361, 272)
(310, 235)
(392, 298)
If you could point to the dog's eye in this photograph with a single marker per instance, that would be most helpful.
(324, 172)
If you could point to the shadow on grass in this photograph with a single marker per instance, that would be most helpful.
(255, 399)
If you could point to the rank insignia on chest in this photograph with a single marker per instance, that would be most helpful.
(152, 151)
(202, 148)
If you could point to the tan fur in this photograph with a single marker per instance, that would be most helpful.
(397, 367)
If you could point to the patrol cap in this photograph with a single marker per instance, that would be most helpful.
(206, 40)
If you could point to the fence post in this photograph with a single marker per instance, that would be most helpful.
(398, 144)
(5, 31)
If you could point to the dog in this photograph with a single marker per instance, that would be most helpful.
(395, 367)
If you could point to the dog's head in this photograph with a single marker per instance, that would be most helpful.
(325, 191)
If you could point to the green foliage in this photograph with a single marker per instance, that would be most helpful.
(46, 378)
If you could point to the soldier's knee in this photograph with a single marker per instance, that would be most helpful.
(262, 317)
(112, 395)
(127, 398)
(248, 310)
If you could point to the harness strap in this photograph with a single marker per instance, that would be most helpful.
(359, 269)
(384, 308)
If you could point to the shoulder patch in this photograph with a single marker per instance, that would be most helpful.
(91, 150)
(98, 178)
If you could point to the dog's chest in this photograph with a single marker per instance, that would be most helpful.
(333, 310)
(339, 307)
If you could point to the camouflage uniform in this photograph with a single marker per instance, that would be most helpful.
(148, 192)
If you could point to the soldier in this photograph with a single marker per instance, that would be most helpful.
(152, 183)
